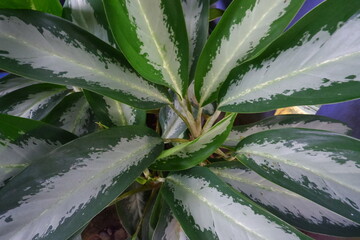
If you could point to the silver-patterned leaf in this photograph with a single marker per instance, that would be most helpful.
(11, 83)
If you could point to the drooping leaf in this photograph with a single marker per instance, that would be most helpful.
(244, 31)
(187, 155)
(11, 83)
(34, 101)
(168, 227)
(54, 197)
(50, 49)
(286, 121)
(114, 113)
(23, 140)
(321, 166)
(287, 205)
(208, 208)
(151, 34)
(90, 15)
(130, 210)
(196, 14)
(48, 6)
(314, 62)
(73, 114)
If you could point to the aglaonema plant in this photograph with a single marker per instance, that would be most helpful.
(73, 134)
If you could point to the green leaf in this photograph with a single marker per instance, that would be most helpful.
(321, 166)
(314, 62)
(208, 208)
(50, 49)
(11, 83)
(34, 101)
(73, 114)
(196, 14)
(289, 206)
(90, 15)
(54, 197)
(114, 113)
(151, 34)
(130, 210)
(287, 121)
(48, 6)
(215, 13)
(245, 30)
(187, 155)
(168, 228)
(23, 140)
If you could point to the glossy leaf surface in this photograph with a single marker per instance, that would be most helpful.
(187, 155)
(53, 198)
(196, 14)
(24, 140)
(208, 208)
(11, 83)
(48, 6)
(90, 15)
(47, 48)
(314, 62)
(114, 113)
(245, 30)
(34, 101)
(151, 34)
(321, 166)
(287, 205)
(73, 114)
(286, 121)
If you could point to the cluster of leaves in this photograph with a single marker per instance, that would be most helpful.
(73, 135)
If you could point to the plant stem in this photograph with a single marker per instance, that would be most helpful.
(167, 140)
(134, 191)
(211, 120)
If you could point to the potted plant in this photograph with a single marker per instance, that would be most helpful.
(83, 86)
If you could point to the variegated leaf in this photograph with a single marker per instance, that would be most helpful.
(90, 15)
(287, 205)
(208, 208)
(73, 114)
(314, 62)
(168, 228)
(54, 197)
(114, 113)
(287, 121)
(152, 36)
(187, 155)
(47, 48)
(11, 83)
(23, 140)
(34, 101)
(196, 13)
(244, 31)
(321, 166)
(48, 6)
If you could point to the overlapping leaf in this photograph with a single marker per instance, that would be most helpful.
(152, 36)
(286, 121)
(48, 6)
(321, 166)
(289, 206)
(314, 62)
(245, 30)
(47, 48)
(54, 197)
(11, 83)
(208, 208)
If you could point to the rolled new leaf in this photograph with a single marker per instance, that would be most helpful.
(207, 208)
(43, 47)
(187, 155)
(286, 121)
(314, 62)
(54, 197)
(23, 140)
(244, 31)
(287, 205)
(321, 166)
(152, 36)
